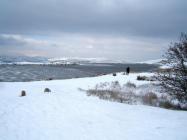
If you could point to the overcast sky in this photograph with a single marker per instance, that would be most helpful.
(131, 30)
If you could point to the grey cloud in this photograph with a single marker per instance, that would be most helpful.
(120, 17)
(131, 30)
(21, 45)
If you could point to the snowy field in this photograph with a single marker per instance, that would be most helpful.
(69, 114)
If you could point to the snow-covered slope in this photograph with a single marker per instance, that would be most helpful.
(68, 114)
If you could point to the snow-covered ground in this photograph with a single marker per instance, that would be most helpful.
(69, 114)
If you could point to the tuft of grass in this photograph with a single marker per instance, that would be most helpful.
(130, 85)
(167, 105)
(130, 94)
(145, 78)
(150, 98)
(142, 78)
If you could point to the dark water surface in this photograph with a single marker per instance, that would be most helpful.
(22, 73)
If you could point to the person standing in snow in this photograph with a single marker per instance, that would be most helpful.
(128, 70)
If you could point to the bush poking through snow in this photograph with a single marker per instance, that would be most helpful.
(113, 95)
(47, 90)
(166, 104)
(130, 85)
(115, 92)
(23, 93)
(143, 78)
(150, 98)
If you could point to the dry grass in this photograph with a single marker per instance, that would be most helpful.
(131, 94)
(150, 98)
(145, 78)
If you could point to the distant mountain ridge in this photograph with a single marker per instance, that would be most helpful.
(77, 60)
(66, 60)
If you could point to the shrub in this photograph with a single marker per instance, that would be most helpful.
(102, 85)
(150, 98)
(166, 104)
(115, 86)
(130, 85)
(141, 77)
(112, 95)
(131, 94)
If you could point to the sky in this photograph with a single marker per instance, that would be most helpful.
(129, 30)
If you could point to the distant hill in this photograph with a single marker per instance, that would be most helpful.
(77, 60)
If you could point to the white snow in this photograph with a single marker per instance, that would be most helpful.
(68, 114)
(170, 66)
(29, 63)
(156, 61)
(165, 67)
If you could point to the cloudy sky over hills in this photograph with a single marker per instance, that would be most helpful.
(133, 30)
